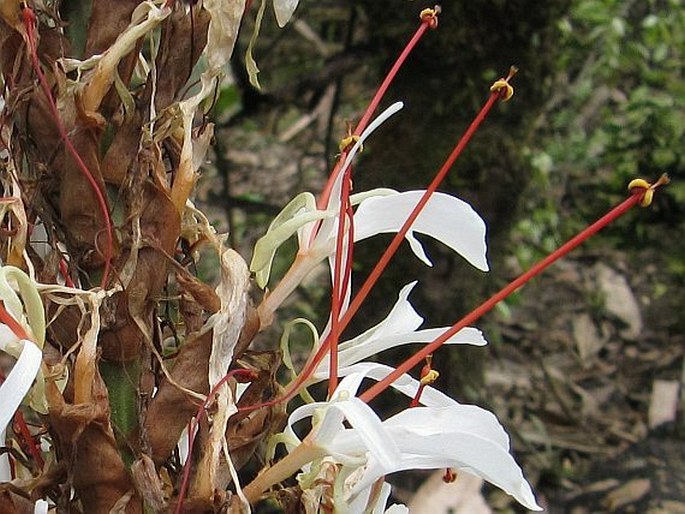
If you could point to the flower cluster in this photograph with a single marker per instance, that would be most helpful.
(349, 447)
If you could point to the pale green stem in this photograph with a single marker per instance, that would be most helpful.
(304, 263)
(286, 467)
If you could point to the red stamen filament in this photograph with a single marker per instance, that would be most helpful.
(428, 376)
(64, 270)
(245, 374)
(28, 439)
(340, 275)
(30, 23)
(375, 101)
(13, 324)
(503, 293)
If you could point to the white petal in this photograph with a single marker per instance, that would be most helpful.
(351, 356)
(463, 437)
(402, 318)
(41, 507)
(366, 424)
(397, 329)
(284, 10)
(382, 498)
(328, 230)
(444, 217)
(13, 390)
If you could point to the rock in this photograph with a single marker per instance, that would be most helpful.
(663, 405)
(586, 337)
(619, 300)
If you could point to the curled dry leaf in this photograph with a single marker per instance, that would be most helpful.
(149, 484)
(171, 408)
(84, 435)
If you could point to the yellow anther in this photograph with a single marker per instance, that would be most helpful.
(430, 16)
(429, 377)
(348, 141)
(503, 84)
(648, 188)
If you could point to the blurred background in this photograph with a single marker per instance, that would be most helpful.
(585, 365)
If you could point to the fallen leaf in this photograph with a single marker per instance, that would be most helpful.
(628, 493)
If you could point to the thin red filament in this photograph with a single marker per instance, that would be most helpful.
(13, 324)
(373, 105)
(30, 24)
(503, 293)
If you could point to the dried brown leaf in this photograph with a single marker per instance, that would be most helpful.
(171, 408)
(628, 493)
(184, 36)
(149, 484)
(86, 440)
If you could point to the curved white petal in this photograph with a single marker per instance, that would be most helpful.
(13, 390)
(41, 507)
(444, 217)
(402, 318)
(366, 424)
(328, 230)
(284, 10)
(463, 437)
(353, 355)
(397, 329)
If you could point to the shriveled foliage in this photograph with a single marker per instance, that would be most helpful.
(100, 153)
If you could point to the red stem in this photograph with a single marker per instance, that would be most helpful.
(486, 306)
(29, 22)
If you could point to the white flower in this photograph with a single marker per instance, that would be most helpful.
(443, 434)
(444, 217)
(301, 216)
